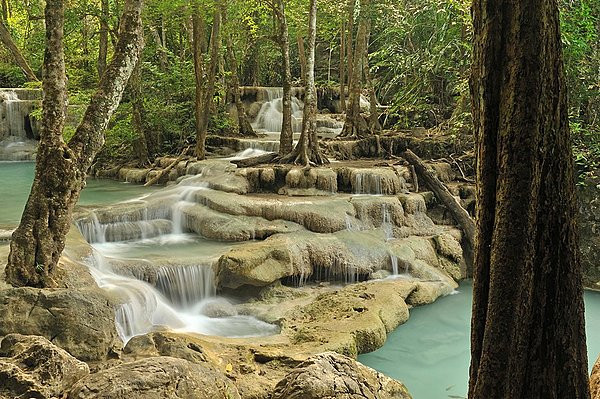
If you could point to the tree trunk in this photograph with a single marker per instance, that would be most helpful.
(350, 41)
(307, 150)
(8, 42)
(374, 125)
(244, 126)
(198, 44)
(142, 146)
(207, 101)
(355, 125)
(286, 138)
(343, 67)
(61, 169)
(302, 58)
(527, 329)
(443, 194)
(103, 38)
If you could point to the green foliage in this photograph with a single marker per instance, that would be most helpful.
(11, 76)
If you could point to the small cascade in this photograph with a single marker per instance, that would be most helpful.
(386, 224)
(365, 183)
(96, 232)
(185, 286)
(17, 130)
(394, 261)
(270, 116)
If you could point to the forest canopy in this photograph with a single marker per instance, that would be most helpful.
(419, 57)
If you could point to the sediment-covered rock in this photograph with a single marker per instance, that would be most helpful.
(81, 321)
(33, 367)
(334, 376)
(155, 378)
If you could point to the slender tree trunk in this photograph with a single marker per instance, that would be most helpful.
(198, 43)
(8, 42)
(355, 125)
(343, 67)
(5, 10)
(207, 102)
(142, 146)
(307, 150)
(103, 37)
(244, 126)
(350, 41)
(527, 329)
(374, 125)
(302, 58)
(286, 139)
(162, 50)
(61, 169)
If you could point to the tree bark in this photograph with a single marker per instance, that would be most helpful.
(207, 101)
(307, 150)
(103, 37)
(443, 194)
(350, 42)
(527, 328)
(142, 146)
(199, 44)
(343, 67)
(302, 58)
(286, 138)
(374, 125)
(8, 42)
(61, 169)
(355, 125)
(244, 126)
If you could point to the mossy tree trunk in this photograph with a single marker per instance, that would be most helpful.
(528, 335)
(9, 43)
(244, 126)
(103, 37)
(209, 91)
(307, 150)
(286, 139)
(355, 125)
(61, 168)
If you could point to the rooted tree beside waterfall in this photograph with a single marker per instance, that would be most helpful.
(61, 170)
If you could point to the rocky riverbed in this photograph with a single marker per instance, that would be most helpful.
(309, 267)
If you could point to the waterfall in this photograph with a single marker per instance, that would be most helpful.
(17, 130)
(366, 183)
(185, 286)
(270, 116)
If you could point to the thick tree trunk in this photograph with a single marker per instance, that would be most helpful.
(103, 37)
(244, 126)
(61, 169)
(307, 150)
(527, 329)
(355, 125)
(350, 42)
(207, 101)
(286, 138)
(8, 42)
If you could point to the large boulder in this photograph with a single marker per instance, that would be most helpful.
(333, 376)
(589, 231)
(33, 367)
(81, 321)
(156, 378)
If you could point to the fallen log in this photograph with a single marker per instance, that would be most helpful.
(427, 176)
(258, 160)
(167, 169)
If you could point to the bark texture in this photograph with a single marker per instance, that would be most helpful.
(286, 139)
(209, 92)
(307, 150)
(9, 43)
(355, 125)
(103, 37)
(61, 169)
(527, 331)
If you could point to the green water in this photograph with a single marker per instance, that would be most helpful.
(15, 183)
(430, 352)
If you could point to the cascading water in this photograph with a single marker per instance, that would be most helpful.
(270, 116)
(365, 183)
(17, 131)
(181, 286)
